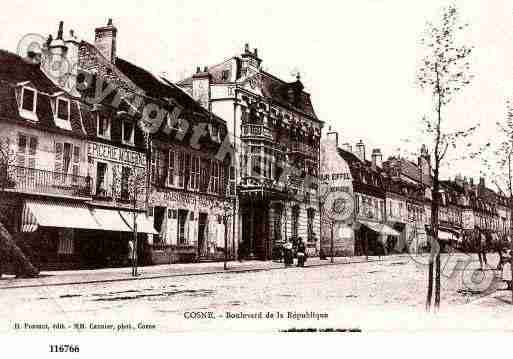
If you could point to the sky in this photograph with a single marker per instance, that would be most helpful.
(357, 59)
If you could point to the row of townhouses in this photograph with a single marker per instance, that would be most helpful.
(101, 150)
(392, 203)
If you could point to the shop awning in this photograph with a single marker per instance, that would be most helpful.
(110, 220)
(144, 224)
(57, 214)
(380, 228)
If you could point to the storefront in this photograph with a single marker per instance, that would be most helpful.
(68, 235)
(190, 226)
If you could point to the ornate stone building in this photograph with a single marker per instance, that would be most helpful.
(275, 126)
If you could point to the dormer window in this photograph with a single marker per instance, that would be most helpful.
(62, 110)
(28, 103)
(103, 128)
(28, 97)
(128, 132)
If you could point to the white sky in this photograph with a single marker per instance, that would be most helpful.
(356, 58)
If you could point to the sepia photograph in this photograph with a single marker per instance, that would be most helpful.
(186, 167)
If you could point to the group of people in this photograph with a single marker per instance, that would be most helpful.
(288, 253)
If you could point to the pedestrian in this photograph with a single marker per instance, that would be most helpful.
(287, 247)
(301, 253)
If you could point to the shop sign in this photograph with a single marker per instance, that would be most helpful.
(468, 219)
(110, 153)
(176, 198)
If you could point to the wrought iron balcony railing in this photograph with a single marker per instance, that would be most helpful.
(34, 180)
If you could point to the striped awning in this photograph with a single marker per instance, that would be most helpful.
(144, 223)
(57, 214)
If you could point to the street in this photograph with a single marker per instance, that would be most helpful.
(367, 296)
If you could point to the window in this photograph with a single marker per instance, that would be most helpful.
(62, 109)
(101, 179)
(181, 169)
(76, 163)
(214, 178)
(128, 132)
(27, 149)
(28, 99)
(232, 181)
(171, 168)
(67, 162)
(103, 127)
(182, 218)
(125, 178)
(205, 174)
(195, 173)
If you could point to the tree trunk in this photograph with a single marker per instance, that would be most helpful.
(9, 249)
(437, 281)
(430, 285)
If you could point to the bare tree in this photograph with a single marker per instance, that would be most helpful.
(129, 185)
(444, 71)
(8, 247)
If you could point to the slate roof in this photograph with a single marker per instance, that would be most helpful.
(15, 70)
(272, 87)
(161, 88)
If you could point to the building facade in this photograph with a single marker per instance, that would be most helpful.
(276, 132)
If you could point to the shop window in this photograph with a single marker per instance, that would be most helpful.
(66, 243)
(278, 213)
(182, 218)
(127, 130)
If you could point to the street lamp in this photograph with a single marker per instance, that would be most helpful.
(227, 209)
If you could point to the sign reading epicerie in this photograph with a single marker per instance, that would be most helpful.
(116, 154)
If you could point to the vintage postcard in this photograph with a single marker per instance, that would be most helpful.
(174, 167)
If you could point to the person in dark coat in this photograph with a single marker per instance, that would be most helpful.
(301, 253)
(287, 255)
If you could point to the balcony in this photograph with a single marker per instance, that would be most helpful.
(258, 131)
(303, 148)
(35, 181)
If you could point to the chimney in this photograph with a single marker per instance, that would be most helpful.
(105, 41)
(347, 147)
(332, 138)
(360, 150)
(377, 158)
(201, 87)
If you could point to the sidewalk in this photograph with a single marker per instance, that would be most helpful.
(57, 278)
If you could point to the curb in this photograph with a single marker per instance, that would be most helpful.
(179, 275)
